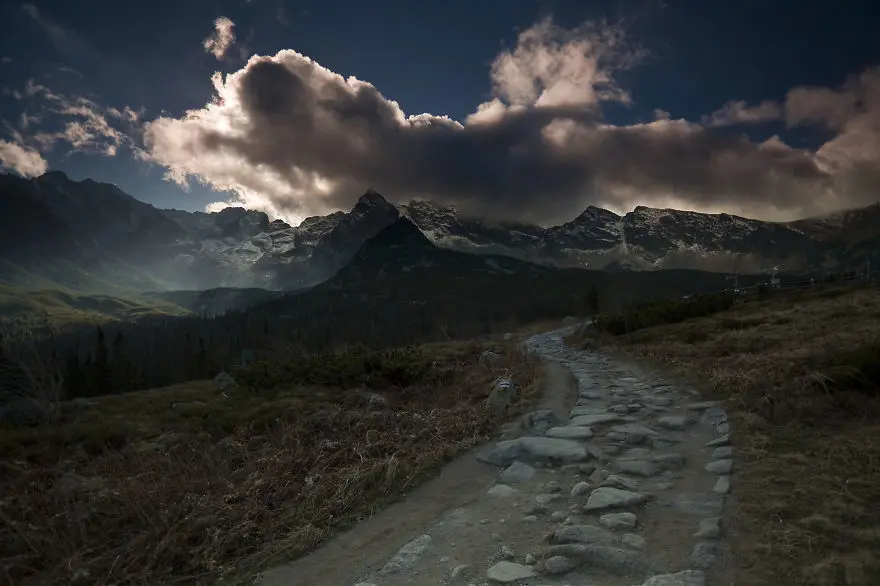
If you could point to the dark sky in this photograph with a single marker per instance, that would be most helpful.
(769, 109)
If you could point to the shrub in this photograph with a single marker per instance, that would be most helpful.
(658, 313)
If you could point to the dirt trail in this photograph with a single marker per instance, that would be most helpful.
(613, 485)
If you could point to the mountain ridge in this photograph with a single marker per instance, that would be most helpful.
(107, 234)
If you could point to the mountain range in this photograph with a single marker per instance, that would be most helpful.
(92, 236)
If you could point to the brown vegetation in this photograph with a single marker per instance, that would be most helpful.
(800, 373)
(190, 484)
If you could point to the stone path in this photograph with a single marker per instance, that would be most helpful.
(628, 491)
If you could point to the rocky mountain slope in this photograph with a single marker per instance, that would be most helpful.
(92, 236)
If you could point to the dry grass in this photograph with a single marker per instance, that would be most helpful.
(130, 491)
(799, 373)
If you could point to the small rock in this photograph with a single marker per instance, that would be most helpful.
(559, 564)
(633, 541)
(557, 516)
(722, 485)
(459, 571)
(506, 552)
(720, 466)
(709, 528)
(502, 491)
(722, 453)
(570, 432)
(719, 441)
(618, 520)
(551, 486)
(723, 429)
(517, 472)
(507, 572)
(530, 559)
(607, 497)
(407, 556)
(582, 534)
(529, 519)
(617, 481)
(580, 489)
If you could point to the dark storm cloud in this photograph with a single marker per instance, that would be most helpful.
(292, 137)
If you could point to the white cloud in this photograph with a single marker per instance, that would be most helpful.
(221, 39)
(22, 160)
(739, 112)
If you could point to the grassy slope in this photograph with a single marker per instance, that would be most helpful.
(189, 484)
(63, 307)
(800, 375)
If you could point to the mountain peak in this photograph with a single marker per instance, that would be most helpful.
(372, 197)
(401, 232)
(54, 176)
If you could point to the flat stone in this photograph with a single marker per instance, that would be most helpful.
(685, 578)
(586, 410)
(582, 534)
(540, 421)
(570, 432)
(634, 433)
(534, 449)
(507, 572)
(722, 453)
(637, 467)
(591, 395)
(606, 497)
(702, 406)
(714, 416)
(633, 541)
(618, 520)
(709, 528)
(529, 519)
(719, 441)
(517, 472)
(670, 461)
(596, 419)
(661, 401)
(676, 422)
(614, 559)
(407, 556)
(502, 491)
(720, 466)
(722, 485)
(559, 564)
(623, 482)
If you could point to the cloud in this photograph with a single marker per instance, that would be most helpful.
(221, 39)
(552, 66)
(82, 124)
(739, 112)
(22, 160)
(291, 137)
